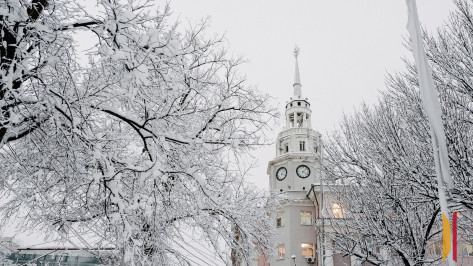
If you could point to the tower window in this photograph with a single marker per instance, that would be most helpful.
(291, 104)
(280, 219)
(287, 148)
(299, 103)
(306, 218)
(302, 145)
(281, 252)
(307, 250)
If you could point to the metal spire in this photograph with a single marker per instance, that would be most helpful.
(297, 78)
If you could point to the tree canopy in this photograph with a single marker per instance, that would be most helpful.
(136, 146)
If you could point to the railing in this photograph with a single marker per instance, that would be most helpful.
(297, 130)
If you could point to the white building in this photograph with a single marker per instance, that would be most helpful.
(295, 170)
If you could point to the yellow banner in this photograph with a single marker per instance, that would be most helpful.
(446, 234)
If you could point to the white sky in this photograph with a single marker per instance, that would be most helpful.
(347, 47)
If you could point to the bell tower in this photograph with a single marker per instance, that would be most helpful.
(294, 170)
(297, 145)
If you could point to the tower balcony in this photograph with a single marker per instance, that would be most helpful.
(298, 131)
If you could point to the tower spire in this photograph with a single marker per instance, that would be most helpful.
(297, 79)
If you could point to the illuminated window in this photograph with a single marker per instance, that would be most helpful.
(280, 219)
(306, 218)
(307, 250)
(467, 250)
(337, 211)
(281, 252)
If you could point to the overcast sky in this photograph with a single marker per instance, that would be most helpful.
(347, 47)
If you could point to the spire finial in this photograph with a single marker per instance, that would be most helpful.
(296, 51)
(297, 78)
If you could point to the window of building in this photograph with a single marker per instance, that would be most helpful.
(307, 250)
(306, 218)
(377, 250)
(280, 219)
(284, 147)
(467, 250)
(302, 145)
(370, 247)
(281, 252)
(299, 103)
(436, 248)
(336, 247)
(337, 210)
(333, 245)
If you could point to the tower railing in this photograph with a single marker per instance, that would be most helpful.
(297, 130)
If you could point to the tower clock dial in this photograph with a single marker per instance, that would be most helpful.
(281, 173)
(303, 171)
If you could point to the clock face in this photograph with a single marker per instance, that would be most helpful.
(303, 171)
(281, 173)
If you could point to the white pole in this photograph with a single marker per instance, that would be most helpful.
(432, 107)
(322, 201)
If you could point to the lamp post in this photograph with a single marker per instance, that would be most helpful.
(322, 236)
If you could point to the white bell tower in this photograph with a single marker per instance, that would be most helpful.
(297, 146)
(294, 170)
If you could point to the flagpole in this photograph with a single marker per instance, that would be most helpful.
(322, 200)
(431, 105)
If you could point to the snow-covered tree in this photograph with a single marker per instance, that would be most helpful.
(450, 54)
(383, 154)
(136, 147)
(388, 216)
(388, 187)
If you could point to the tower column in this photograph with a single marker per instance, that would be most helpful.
(288, 121)
(304, 120)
